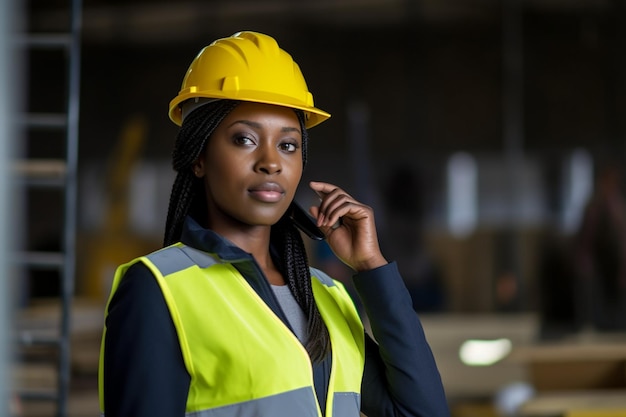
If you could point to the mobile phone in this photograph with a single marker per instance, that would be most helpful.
(305, 222)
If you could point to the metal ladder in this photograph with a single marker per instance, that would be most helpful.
(58, 174)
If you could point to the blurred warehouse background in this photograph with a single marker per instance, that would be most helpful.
(490, 137)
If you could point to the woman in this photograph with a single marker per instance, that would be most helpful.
(229, 319)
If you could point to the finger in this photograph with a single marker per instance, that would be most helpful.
(321, 188)
(324, 189)
(332, 198)
(336, 207)
(314, 211)
(335, 204)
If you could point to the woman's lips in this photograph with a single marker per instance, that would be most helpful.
(269, 192)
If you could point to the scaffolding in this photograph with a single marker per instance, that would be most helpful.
(59, 174)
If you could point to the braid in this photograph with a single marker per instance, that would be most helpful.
(295, 268)
(187, 195)
(180, 201)
(305, 137)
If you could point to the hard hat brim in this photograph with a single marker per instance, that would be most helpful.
(313, 115)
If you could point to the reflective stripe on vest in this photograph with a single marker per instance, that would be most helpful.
(241, 357)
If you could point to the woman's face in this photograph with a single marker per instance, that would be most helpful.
(251, 166)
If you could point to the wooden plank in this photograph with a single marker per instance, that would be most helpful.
(562, 404)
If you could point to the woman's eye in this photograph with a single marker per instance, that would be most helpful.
(289, 146)
(243, 140)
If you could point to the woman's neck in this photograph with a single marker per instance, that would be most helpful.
(257, 243)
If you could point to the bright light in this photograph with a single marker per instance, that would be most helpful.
(462, 175)
(484, 352)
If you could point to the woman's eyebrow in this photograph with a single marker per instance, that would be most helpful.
(247, 123)
(290, 129)
(256, 125)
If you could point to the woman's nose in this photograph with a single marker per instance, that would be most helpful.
(268, 161)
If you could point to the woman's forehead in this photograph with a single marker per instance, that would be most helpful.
(263, 113)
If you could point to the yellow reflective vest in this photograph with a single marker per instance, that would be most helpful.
(242, 359)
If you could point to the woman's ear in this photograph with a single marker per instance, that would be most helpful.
(198, 167)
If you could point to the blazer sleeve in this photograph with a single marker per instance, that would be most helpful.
(401, 378)
(144, 372)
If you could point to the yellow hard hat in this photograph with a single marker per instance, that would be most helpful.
(247, 66)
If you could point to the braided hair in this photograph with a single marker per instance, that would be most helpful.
(188, 198)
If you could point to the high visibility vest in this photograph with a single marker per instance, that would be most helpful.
(242, 359)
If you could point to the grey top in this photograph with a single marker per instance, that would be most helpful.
(292, 310)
